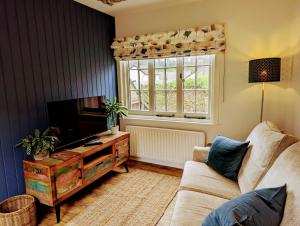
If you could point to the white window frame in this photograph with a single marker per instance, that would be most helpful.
(215, 93)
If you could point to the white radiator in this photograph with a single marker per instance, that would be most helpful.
(163, 146)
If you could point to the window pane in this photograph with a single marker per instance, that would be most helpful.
(159, 63)
(171, 62)
(144, 79)
(171, 78)
(133, 64)
(202, 77)
(144, 101)
(134, 79)
(160, 101)
(189, 61)
(159, 78)
(189, 101)
(143, 64)
(203, 60)
(134, 100)
(171, 101)
(189, 77)
(202, 101)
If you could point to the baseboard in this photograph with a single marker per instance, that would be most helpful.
(158, 162)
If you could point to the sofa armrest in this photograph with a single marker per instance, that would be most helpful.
(200, 153)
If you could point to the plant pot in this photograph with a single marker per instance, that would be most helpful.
(114, 129)
(40, 156)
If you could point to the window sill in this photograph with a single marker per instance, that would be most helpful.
(145, 118)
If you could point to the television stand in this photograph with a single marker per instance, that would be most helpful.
(66, 172)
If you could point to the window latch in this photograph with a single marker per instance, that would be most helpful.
(165, 115)
(195, 117)
(181, 77)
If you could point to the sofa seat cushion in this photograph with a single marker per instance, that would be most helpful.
(200, 177)
(286, 170)
(192, 208)
(266, 144)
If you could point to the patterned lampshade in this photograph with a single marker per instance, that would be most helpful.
(264, 70)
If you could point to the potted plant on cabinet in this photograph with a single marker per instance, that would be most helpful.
(39, 144)
(114, 110)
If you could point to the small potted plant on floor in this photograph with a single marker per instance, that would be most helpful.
(39, 144)
(114, 110)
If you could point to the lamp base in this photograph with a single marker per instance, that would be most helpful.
(262, 102)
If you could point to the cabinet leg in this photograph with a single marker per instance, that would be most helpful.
(57, 212)
(126, 167)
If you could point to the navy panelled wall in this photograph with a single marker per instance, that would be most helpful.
(49, 50)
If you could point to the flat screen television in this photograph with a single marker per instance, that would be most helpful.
(77, 121)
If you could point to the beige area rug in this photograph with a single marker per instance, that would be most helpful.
(138, 198)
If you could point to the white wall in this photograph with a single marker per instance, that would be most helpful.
(254, 29)
(293, 113)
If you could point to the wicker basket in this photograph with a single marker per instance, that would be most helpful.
(18, 211)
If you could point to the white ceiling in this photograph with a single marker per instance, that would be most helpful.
(132, 5)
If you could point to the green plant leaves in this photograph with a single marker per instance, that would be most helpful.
(39, 142)
(46, 132)
(37, 133)
(114, 109)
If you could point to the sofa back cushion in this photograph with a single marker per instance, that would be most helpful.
(286, 170)
(266, 143)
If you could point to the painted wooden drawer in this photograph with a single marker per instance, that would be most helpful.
(122, 150)
(98, 169)
(67, 178)
(38, 182)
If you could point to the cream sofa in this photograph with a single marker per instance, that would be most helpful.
(272, 159)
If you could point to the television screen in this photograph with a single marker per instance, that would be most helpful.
(77, 121)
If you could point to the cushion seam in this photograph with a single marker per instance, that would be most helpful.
(184, 188)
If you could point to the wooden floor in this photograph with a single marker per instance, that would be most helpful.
(46, 215)
(156, 168)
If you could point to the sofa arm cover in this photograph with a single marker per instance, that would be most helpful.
(200, 153)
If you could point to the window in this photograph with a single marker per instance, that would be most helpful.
(173, 87)
(139, 85)
(196, 82)
(165, 89)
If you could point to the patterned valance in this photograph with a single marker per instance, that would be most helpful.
(185, 42)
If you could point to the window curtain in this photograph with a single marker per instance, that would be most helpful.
(184, 42)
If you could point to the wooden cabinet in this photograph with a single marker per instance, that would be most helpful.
(56, 178)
